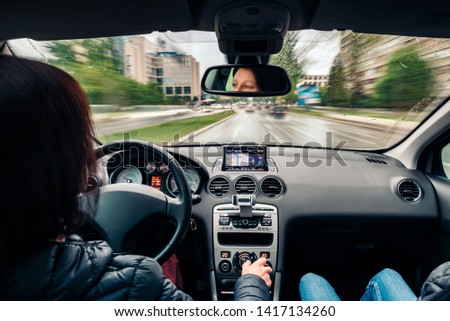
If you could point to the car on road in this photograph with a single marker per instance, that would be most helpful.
(278, 111)
(250, 108)
(355, 185)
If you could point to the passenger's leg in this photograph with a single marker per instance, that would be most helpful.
(388, 285)
(315, 288)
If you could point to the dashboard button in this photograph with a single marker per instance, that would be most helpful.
(224, 221)
(225, 266)
(225, 254)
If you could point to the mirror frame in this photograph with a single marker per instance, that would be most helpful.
(247, 93)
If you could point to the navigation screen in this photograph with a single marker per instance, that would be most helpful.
(245, 158)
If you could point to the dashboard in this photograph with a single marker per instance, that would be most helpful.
(299, 208)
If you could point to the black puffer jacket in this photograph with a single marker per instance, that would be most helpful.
(437, 285)
(250, 287)
(79, 270)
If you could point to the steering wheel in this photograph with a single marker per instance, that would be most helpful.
(125, 210)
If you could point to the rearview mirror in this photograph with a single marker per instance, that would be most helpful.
(246, 80)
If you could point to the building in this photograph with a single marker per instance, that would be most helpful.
(364, 57)
(177, 74)
(314, 80)
(140, 63)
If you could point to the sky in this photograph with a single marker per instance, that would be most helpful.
(317, 48)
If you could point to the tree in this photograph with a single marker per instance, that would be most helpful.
(155, 92)
(63, 52)
(407, 81)
(336, 94)
(176, 100)
(358, 44)
(288, 58)
(99, 74)
(96, 52)
(99, 54)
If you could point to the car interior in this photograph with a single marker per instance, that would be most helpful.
(343, 213)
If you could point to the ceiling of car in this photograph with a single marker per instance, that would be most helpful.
(53, 19)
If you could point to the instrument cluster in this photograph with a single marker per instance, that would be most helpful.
(155, 174)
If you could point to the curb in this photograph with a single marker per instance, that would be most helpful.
(201, 130)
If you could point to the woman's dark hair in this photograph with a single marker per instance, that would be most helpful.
(47, 154)
(268, 80)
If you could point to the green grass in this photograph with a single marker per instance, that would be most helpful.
(168, 131)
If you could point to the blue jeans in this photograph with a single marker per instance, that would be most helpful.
(387, 285)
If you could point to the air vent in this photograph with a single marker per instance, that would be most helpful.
(219, 186)
(271, 187)
(245, 186)
(376, 161)
(409, 190)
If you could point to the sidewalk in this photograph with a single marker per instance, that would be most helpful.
(368, 121)
(374, 121)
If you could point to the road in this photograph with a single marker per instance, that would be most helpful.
(261, 127)
(298, 129)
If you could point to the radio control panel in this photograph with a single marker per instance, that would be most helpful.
(239, 238)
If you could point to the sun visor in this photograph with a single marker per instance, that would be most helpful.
(74, 19)
(257, 28)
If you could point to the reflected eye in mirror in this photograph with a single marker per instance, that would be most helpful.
(246, 80)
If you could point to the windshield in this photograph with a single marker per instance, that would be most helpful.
(350, 90)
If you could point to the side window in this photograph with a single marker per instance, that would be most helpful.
(445, 156)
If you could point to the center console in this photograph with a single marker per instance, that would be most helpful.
(242, 231)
